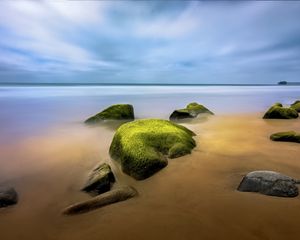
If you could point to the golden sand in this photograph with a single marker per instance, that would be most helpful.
(194, 197)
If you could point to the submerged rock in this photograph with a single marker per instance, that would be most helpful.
(8, 196)
(113, 196)
(100, 180)
(290, 136)
(269, 183)
(192, 110)
(296, 106)
(142, 146)
(114, 112)
(277, 111)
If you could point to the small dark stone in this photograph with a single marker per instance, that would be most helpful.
(113, 196)
(8, 196)
(100, 180)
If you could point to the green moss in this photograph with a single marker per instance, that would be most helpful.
(277, 111)
(142, 146)
(290, 136)
(114, 112)
(178, 150)
(192, 110)
(198, 108)
(296, 106)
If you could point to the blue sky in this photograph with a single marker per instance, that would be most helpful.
(149, 41)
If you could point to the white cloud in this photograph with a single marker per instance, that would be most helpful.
(42, 28)
(169, 26)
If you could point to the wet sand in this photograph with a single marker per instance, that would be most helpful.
(194, 197)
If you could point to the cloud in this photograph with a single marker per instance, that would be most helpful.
(151, 41)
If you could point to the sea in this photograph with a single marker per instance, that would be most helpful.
(31, 109)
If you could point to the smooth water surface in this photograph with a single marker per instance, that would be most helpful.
(28, 110)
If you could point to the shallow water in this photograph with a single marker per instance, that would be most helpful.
(194, 197)
(27, 111)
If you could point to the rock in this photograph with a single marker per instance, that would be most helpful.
(290, 136)
(277, 111)
(114, 112)
(8, 196)
(269, 183)
(142, 146)
(181, 114)
(192, 110)
(296, 106)
(100, 180)
(113, 196)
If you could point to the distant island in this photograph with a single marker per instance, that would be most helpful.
(288, 83)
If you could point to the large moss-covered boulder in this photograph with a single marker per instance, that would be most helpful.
(100, 180)
(114, 112)
(142, 146)
(296, 106)
(290, 136)
(277, 111)
(192, 110)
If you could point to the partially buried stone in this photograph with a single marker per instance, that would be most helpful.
(8, 196)
(269, 183)
(113, 196)
(100, 180)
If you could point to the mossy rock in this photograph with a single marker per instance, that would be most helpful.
(192, 110)
(114, 112)
(296, 106)
(277, 111)
(142, 146)
(290, 136)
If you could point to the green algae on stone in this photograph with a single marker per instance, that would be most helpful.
(277, 111)
(296, 106)
(142, 146)
(192, 110)
(114, 112)
(289, 136)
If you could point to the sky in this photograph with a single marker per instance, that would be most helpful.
(178, 42)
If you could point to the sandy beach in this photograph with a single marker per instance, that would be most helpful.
(194, 197)
(72, 72)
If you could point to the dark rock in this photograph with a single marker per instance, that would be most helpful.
(113, 196)
(8, 196)
(192, 110)
(269, 183)
(290, 136)
(114, 112)
(100, 180)
(277, 111)
(181, 114)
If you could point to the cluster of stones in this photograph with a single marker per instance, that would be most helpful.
(143, 147)
(269, 182)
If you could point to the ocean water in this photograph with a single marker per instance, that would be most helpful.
(27, 110)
